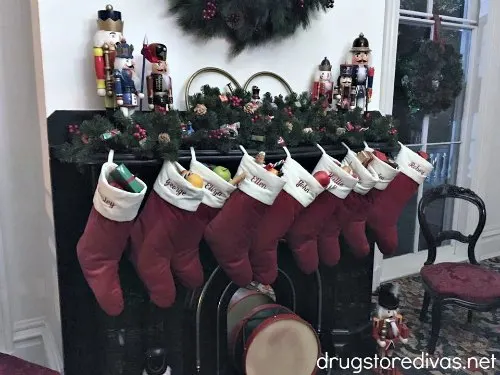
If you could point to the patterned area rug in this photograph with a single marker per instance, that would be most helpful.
(457, 339)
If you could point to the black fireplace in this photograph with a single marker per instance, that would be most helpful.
(335, 301)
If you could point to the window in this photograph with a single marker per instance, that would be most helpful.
(440, 135)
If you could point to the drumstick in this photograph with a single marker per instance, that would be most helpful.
(237, 179)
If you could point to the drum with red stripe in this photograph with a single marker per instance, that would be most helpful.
(272, 340)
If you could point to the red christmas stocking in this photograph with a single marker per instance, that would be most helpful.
(356, 229)
(231, 233)
(300, 190)
(302, 237)
(384, 215)
(161, 229)
(356, 205)
(186, 261)
(105, 237)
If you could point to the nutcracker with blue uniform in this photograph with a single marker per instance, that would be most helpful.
(159, 83)
(126, 80)
(362, 73)
(110, 32)
(389, 327)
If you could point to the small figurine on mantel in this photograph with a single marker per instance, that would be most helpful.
(362, 72)
(110, 24)
(345, 92)
(126, 80)
(323, 85)
(389, 327)
(256, 96)
(159, 82)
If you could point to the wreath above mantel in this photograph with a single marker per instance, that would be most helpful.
(246, 23)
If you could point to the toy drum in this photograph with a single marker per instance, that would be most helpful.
(272, 340)
(242, 302)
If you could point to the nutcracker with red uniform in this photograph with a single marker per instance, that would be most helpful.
(389, 327)
(323, 85)
(126, 79)
(159, 82)
(110, 24)
(345, 92)
(362, 73)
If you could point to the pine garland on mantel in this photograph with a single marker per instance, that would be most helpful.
(222, 121)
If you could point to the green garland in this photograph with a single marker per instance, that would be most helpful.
(432, 77)
(218, 121)
(243, 22)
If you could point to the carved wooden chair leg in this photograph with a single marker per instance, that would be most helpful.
(436, 325)
(425, 307)
(469, 316)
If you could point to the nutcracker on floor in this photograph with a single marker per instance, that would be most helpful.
(159, 82)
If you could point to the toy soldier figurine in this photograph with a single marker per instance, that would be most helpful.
(256, 96)
(110, 32)
(159, 83)
(323, 86)
(345, 92)
(362, 72)
(388, 325)
(126, 79)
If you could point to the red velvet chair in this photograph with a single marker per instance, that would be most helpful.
(10, 365)
(468, 285)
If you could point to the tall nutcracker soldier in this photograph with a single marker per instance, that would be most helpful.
(362, 73)
(345, 92)
(110, 24)
(388, 327)
(323, 85)
(159, 83)
(126, 80)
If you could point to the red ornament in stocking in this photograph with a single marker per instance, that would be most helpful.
(105, 237)
(231, 233)
(164, 228)
(186, 261)
(300, 190)
(384, 215)
(302, 237)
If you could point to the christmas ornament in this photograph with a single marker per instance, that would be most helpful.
(163, 138)
(159, 83)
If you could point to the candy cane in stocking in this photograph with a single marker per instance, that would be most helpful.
(300, 190)
(383, 216)
(230, 234)
(302, 237)
(163, 224)
(105, 237)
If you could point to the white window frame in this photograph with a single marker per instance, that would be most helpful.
(404, 265)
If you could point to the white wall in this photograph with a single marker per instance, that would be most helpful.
(29, 322)
(68, 64)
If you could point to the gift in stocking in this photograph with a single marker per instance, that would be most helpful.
(302, 237)
(186, 261)
(384, 215)
(356, 229)
(105, 237)
(230, 234)
(163, 226)
(300, 190)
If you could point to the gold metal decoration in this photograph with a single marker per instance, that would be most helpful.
(268, 74)
(208, 70)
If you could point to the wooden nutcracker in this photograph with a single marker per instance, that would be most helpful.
(159, 82)
(389, 327)
(126, 80)
(362, 72)
(323, 85)
(110, 32)
(345, 92)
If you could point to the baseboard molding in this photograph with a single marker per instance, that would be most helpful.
(34, 336)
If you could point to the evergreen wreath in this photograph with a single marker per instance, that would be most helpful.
(432, 77)
(246, 23)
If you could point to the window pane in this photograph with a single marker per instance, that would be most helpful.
(440, 213)
(416, 5)
(446, 126)
(453, 8)
(410, 124)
